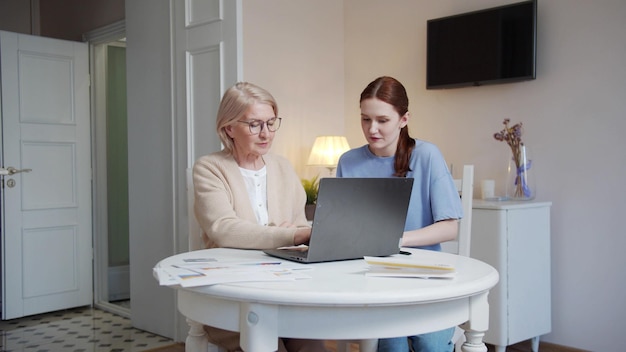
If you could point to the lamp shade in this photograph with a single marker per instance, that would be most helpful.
(327, 150)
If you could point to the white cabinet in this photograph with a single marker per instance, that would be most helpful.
(514, 238)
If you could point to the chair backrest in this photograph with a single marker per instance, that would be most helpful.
(465, 186)
(195, 232)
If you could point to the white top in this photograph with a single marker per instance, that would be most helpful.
(344, 282)
(501, 205)
(256, 185)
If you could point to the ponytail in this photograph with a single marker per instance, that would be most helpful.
(403, 153)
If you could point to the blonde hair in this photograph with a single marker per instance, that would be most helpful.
(234, 105)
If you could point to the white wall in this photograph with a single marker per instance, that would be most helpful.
(15, 16)
(574, 115)
(294, 49)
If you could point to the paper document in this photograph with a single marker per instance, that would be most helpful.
(193, 272)
(408, 267)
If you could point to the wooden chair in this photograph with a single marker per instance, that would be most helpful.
(465, 186)
(196, 337)
(460, 246)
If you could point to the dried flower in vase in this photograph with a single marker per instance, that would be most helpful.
(512, 135)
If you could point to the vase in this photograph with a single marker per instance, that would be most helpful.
(520, 183)
(309, 211)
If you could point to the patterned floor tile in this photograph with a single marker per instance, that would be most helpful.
(76, 330)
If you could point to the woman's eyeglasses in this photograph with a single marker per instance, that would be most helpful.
(256, 126)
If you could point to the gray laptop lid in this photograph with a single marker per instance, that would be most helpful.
(356, 217)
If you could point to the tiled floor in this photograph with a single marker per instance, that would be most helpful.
(76, 330)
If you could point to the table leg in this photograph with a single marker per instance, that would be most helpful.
(196, 338)
(477, 324)
(474, 342)
(258, 327)
(370, 345)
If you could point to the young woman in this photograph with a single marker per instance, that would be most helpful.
(435, 206)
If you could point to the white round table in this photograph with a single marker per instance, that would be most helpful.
(340, 302)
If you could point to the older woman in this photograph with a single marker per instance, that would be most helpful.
(246, 197)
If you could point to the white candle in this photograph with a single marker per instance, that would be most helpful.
(488, 188)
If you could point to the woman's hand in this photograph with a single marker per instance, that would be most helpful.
(302, 234)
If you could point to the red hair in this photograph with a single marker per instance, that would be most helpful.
(392, 92)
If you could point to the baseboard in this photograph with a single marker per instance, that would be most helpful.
(551, 347)
(119, 282)
(175, 347)
(526, 346)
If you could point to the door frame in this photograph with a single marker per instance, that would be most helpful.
(98, 40)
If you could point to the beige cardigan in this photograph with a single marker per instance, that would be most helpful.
(223, 210)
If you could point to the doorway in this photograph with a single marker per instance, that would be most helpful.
(110, 169)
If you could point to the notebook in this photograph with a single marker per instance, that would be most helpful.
(355, 217)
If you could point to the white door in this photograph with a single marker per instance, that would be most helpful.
(46, 213)
(206, 58)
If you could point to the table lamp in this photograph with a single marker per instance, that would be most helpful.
(327, 150)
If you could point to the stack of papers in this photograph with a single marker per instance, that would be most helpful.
(408, 267)
(191, 272)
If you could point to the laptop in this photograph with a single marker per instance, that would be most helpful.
(355, 217)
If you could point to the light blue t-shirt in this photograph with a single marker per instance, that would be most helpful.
(434, 196)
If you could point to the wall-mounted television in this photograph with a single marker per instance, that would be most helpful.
(495, 45)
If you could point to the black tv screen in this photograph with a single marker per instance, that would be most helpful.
(495, 45)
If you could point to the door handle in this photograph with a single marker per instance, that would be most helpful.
(12, 171)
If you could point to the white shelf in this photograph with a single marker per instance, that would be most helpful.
(514, 238)
(500, 205)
